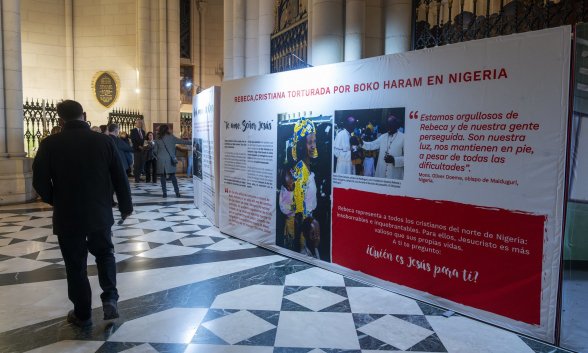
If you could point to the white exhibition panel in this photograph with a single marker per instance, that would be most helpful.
(205, 136)
(471, 219)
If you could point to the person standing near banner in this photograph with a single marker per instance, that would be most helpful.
(342, 147)
(138, 139)
(165, 153)
(391, 146)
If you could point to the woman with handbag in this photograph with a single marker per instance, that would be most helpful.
(164, 146)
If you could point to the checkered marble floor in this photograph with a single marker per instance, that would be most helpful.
(185, 287)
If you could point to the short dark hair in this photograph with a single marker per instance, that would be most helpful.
(103, 128)
(112, 127)
(69, 110)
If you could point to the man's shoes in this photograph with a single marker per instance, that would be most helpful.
(178, 194)
(110, 308)
(164, 195)
(73, 319)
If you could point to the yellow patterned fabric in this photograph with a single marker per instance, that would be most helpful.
(300, 174)
(303, 128)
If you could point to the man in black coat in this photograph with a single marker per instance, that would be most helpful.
(76, 171)
(137, 140)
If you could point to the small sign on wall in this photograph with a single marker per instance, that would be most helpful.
(106, 86)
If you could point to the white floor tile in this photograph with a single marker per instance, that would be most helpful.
(155, 225)
(463, 335)
(176, 218)
(128, 232)
(237, 327)
(315, 298)
(39, 222)
(230, 244)
(147, 215)
(25, 248)
(315, 277)
(170, 210)
(41, 214)
(160, 236)
(211, 232)
(396, 332)
(177, 325)
(200, 221)
(371, 300)
(193, 212)
(316, 330)
(196, 241)
(168, 250)
(15, 219)
(131, 247)
(256, 297)
(49, 254)
(209, 348)
(6, 241)
(146, 208)
(70, 347)
(19, 264)
(143, 348)
(186, 228)
(52, 239)
(32, 233)
(10, 229)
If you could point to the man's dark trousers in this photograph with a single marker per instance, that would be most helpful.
(138, 165)
(75, 253)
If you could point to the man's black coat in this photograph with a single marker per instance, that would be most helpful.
(75, 171)
(137, 140)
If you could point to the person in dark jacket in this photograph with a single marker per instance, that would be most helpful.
(149, 158)
(138, 140)
(76, 171)
(124, 149)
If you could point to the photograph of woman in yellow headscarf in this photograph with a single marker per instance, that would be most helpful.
(304, 184)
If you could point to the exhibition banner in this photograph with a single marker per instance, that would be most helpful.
(439, 170)
(205, 154)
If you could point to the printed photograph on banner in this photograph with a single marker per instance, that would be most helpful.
(303, 222)
(197, 157)
(369, 142)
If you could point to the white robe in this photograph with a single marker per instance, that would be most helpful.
(342, 150)
(394, 145)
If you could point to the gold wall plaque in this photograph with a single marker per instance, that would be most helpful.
(106, 87)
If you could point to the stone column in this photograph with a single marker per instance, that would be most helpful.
(144, 59)
(238, 38)
(397, 23)
(354, 29)
(173, 64)
(327, 32)
(374, 29)
(228, 43)
(251, 38)
(3, 139)
(15, 169)
(69, 51)
(266, 25)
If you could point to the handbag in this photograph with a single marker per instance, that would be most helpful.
(174, 160)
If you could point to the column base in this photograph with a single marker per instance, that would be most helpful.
(16, 181)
